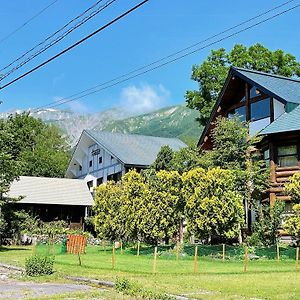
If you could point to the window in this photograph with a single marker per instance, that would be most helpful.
(91, 163)
(267, 157)
(260, 109)
(287, 156)
(254, 92)
(240, 112)
(115, 177)
(100, 160)
(99, 181)
(90, 184)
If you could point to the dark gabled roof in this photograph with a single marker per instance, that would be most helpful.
(284, 123)
(282, 88)
(134, 149)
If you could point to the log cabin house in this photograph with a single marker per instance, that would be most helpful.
(270, 103)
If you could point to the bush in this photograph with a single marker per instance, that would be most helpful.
(39, 265)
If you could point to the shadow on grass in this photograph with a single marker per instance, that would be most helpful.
(5, 249)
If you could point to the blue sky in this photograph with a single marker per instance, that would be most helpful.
(157, 29)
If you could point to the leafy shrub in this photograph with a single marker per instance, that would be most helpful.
(127, 287)
(39, 265)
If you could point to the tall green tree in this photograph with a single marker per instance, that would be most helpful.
(214, 207)
(164, 159)
(41, 149)
(27, 147)
(161, 212)
(211, 74)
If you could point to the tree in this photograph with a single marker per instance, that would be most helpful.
(214, 208)
(109, 221)
(186, 159)
(161, 209)
(233, 149)
(292, 224)
(164, 159)
(265, 229)
(27, 147)
(41, 148)
(292, 188)
(211, 74)
(140, 208)
(9, 170)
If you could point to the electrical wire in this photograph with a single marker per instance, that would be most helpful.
(57, 39)
(26, 22)
(75, 44)
(128, 76)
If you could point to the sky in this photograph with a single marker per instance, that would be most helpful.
(156, 30)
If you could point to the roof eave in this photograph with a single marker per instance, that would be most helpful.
(229, 76)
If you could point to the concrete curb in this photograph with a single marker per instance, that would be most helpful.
(92, 281)
(108, 284)
(10, 267)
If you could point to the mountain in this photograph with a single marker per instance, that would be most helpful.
(175, 121)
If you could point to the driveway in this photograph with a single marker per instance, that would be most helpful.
(11, 288)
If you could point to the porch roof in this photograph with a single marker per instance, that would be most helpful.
(288, 121)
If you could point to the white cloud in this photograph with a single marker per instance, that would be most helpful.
(144, 98)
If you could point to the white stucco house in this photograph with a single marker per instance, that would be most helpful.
(101, 156)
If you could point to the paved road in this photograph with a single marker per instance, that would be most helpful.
(11, 288)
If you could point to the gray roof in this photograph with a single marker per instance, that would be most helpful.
(286, 89)
(42, 190)
(284, 123)
(134, 149)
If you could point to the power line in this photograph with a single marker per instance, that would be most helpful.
(26, 22)
(128, 76)
(75, 44)
(57, 39)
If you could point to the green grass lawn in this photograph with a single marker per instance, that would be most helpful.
(267, 279)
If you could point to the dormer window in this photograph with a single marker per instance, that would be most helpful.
(100, 160)
(91, 163)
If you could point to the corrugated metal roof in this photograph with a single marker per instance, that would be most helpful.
(284, 88)
(284, 123)
(42, 190)
(134, 149)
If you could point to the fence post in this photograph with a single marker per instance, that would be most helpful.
(278, 252)
(104, 244)
(113, 257)
(195, 259)
(154, 260)
(121, 244)
(297, 259)
(246, 259)
(177, 251)
(223, 254)
(138, 249)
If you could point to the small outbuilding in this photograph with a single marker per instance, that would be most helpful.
(52, 198)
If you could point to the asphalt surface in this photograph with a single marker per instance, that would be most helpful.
(11, 288)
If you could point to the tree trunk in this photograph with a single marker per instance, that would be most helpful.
(180, 232)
